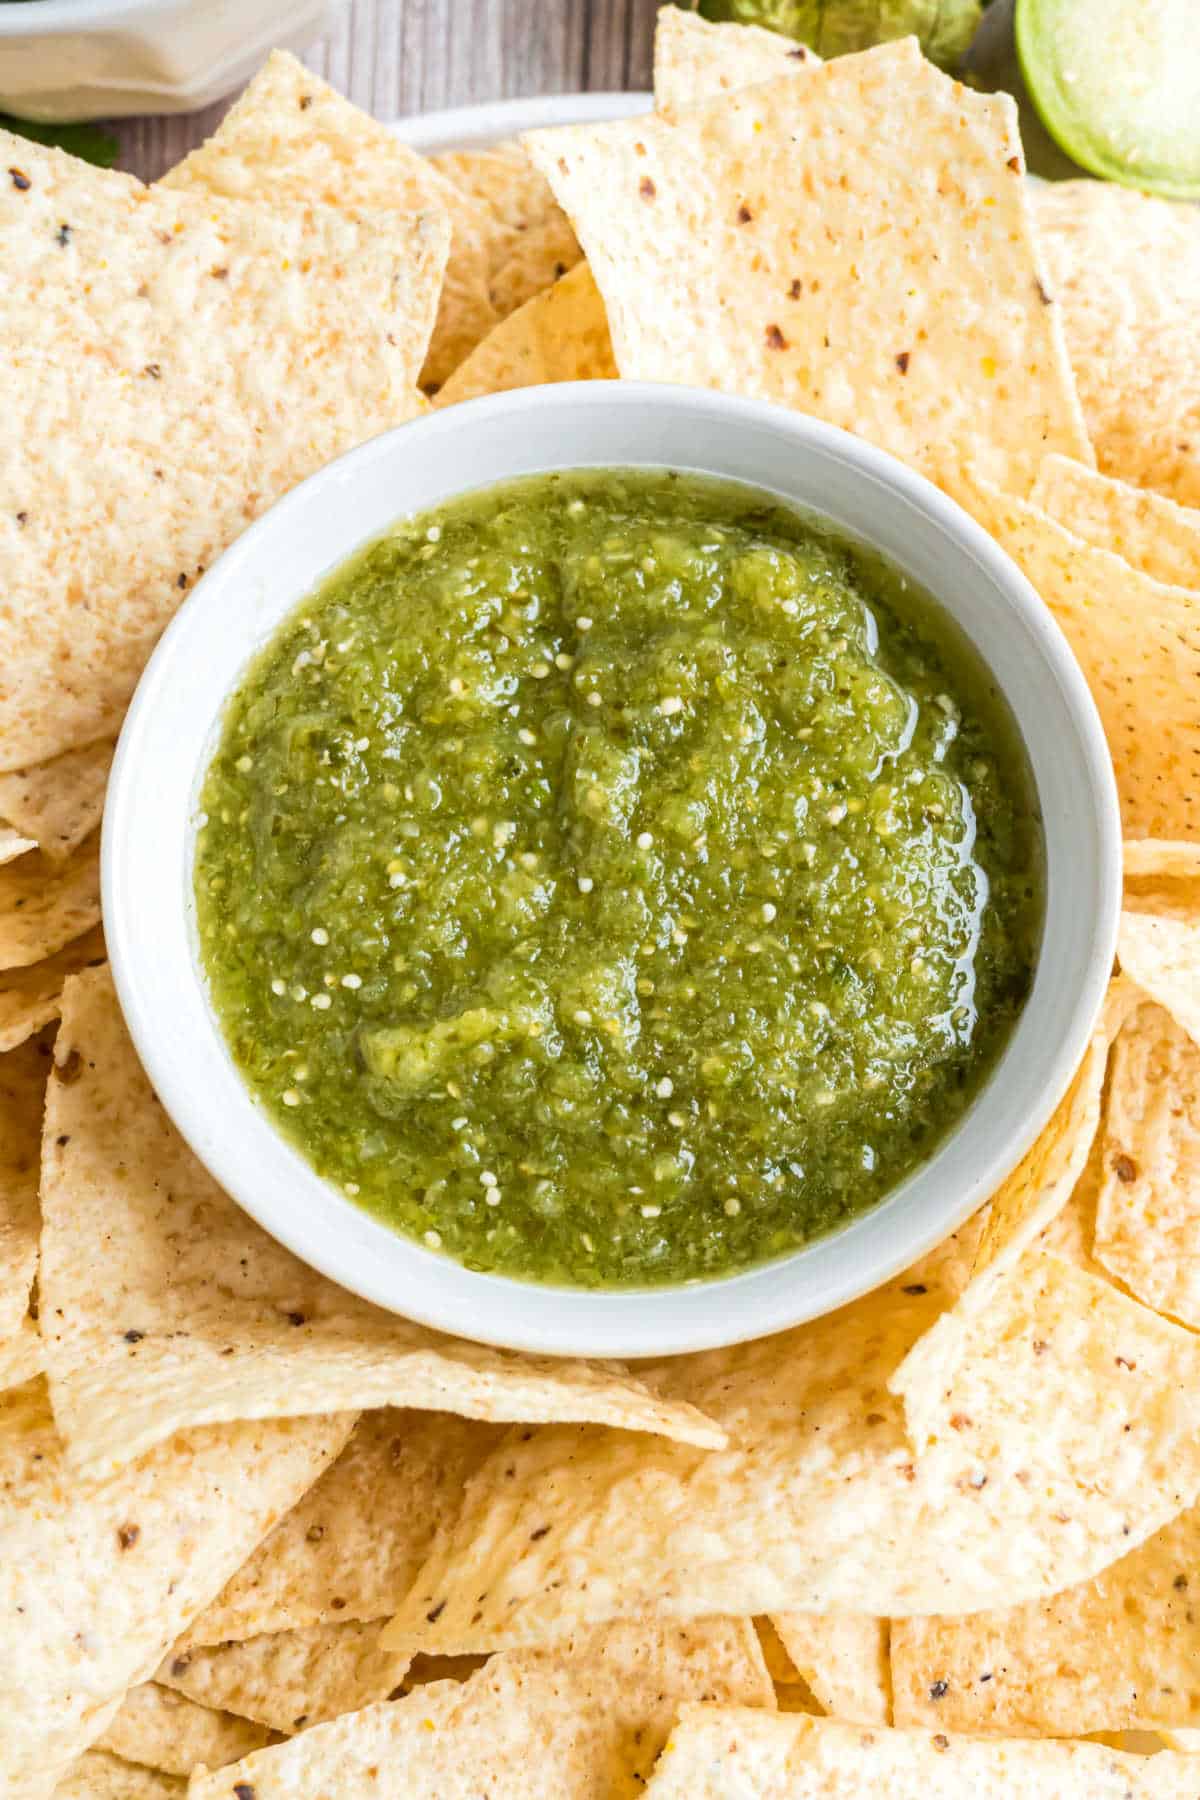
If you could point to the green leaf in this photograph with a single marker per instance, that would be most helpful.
(87, 142)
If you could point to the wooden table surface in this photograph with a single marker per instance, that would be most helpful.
(408, 56)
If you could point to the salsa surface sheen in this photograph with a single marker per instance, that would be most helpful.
(614, 878)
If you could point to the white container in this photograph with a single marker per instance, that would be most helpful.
(95, 59)
(174, 722)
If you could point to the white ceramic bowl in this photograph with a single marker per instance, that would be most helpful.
(94, 59)
(172, 728)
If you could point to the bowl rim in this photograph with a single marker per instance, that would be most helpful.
(161, 988)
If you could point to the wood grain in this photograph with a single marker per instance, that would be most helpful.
(394, 57)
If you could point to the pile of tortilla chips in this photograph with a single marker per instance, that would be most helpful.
(261, 1541)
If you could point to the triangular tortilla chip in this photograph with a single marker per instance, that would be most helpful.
(32, 997)
(292, 139)
(1125, 270)
(530, 243)
(582, 1721)
(99, 1776)
(290, 1680)
(695, 60)
(502, 180)
(766, 242)
(23, 1076)
(58, 803)
(537, 260)
(1067, 1430)
(1152, 533)
(100, 1575)
(715, 1753)
(164, 1305)
(219, 352)
(1147, 1220)
(164, 1730)
(45, 906)
(843, 1659)
(1162, 955)
(1137, 642)
(561, 335)
(352, 1547)
(1117, 1652)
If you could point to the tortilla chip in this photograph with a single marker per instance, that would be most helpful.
(165, 1306)
(99, 1776)
(562, 335)
(352, 1547)
(127, 1557)
(695, 60)
(1152, 533)
(58, 803)
(765, 244)
(293, 138)
(583, 1721)
(715, 1753)
(23, 1076)
(263, 343)
(1162, 955)
(45, 906)
(1147, 1229)
(289, 1680)
(1125, 270)
(1188, 1741)
(32, 997)
(780, 1667)
(1148, 858)
(1138, 643)
(1043, 1181)
(164, 1730)
(1117, 1652)
(1029, 1200)
(530, 242)
(21, 1356)
(502, 180)
(12, 845)
(1041, 1458)
(844, 1661)
(537, 260)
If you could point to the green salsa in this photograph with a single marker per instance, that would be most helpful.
(615, 878)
